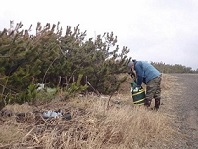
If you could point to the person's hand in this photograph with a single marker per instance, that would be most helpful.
(136, 89)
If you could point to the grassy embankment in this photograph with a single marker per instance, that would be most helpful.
(96, 123)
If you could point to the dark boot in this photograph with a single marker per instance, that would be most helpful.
(147, 103)
(157, 104)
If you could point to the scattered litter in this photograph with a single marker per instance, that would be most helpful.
(67, 116)
(52, 114)
(47, 114)
(5, 112)
(41, 86)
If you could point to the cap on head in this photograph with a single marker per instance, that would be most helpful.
(130, 64)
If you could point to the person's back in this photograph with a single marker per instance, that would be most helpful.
(146, 71)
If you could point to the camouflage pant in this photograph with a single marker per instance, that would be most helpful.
(153, 90)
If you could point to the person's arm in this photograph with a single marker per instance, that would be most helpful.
(139, 72)
(139, 81)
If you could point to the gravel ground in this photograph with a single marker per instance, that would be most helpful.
(182, 104)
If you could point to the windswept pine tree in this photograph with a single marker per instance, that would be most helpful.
(58, 60)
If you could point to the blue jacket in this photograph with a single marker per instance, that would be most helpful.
(145, 72)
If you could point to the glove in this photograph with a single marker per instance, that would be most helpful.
(131, 89)
(136, 89)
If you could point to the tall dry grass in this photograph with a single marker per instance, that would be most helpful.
(94, 125)
(10, 133)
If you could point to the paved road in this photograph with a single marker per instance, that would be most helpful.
(186, 109)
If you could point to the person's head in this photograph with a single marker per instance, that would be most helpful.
(131, 70)
(130, 65)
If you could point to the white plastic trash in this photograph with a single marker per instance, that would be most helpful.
(52, 114)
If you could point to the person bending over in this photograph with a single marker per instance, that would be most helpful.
(146, 73)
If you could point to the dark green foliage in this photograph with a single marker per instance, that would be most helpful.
(29, 95)
(76, 87)
(63, 61)
(177, 68)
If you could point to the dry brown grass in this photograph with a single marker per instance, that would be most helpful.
(130, 127)
(170, 87)
(167, 82)
(16, 108)
(95, 124)
(11, 132)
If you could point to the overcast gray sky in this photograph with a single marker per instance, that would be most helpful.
(154, 30)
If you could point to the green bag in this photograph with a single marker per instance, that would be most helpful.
(139, 96)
